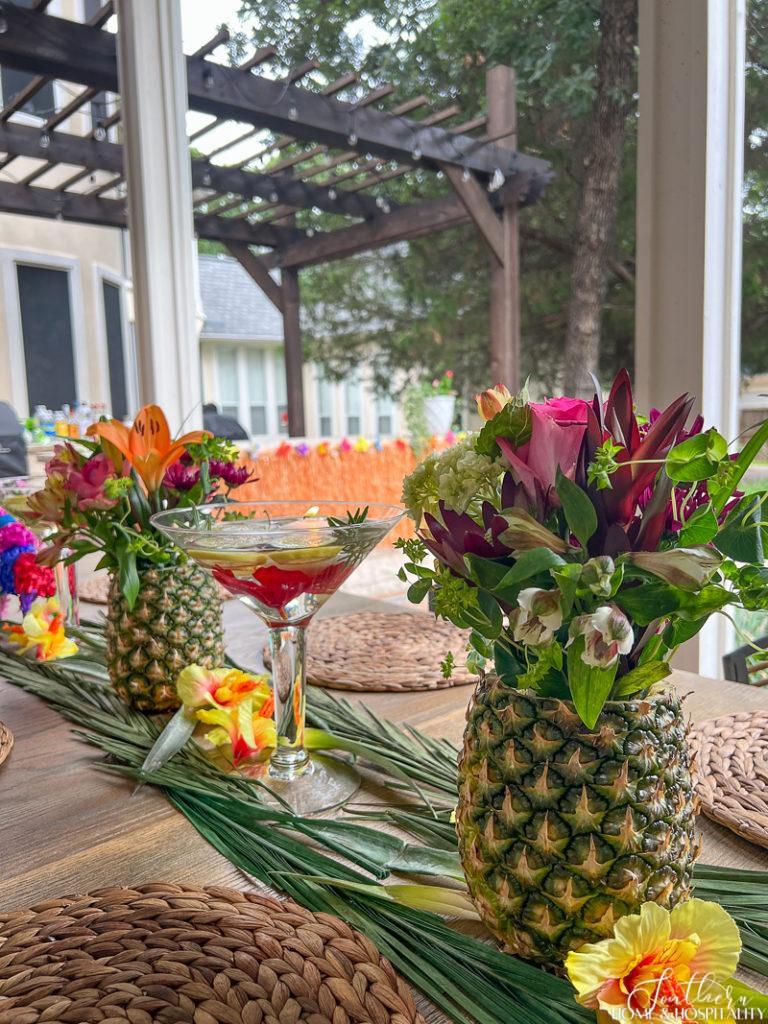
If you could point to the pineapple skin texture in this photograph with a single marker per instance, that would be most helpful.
(175, 622)
(562, 830)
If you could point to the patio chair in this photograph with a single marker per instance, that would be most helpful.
(744, 665)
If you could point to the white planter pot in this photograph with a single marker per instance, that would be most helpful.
(438, 413)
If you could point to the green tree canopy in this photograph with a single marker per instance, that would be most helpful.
(423, 307)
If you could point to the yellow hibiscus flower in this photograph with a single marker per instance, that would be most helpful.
(661, 966)
(41, 632)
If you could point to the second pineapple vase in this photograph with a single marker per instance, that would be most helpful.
(564, 829)
(176, 621)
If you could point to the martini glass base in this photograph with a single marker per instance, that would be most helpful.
(326, 783)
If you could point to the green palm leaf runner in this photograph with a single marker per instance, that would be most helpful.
(340, 866)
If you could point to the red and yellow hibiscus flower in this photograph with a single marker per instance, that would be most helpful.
(239, 707)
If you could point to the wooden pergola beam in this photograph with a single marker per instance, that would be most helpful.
(293, 351)
(258, 270)
(406, 223)
(74, 52)
(34, 85)
(505, 272)
(475, 200)
(88, 209)
(62, 147)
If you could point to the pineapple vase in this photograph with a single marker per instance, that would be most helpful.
(175, 621)
(564, 829)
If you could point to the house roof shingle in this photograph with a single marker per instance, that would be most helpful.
(233, 304)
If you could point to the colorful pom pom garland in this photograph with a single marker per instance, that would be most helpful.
(20, 574)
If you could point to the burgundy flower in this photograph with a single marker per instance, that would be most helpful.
(180, 476)
(632, 513)
(458, 534)
(232, 474)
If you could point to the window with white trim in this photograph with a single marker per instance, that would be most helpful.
(228, 383)
(352, 404)
(385, 416)
(47, 335)
(257, 391)
(325, 407)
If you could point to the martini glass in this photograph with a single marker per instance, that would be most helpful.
(284, 560)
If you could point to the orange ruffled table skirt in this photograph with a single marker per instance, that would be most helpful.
(330, 473)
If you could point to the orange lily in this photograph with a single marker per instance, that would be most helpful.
(147, 445)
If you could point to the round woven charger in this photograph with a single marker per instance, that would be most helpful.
(172, 953)
(375, 651)
(732, 772)
(6, 742)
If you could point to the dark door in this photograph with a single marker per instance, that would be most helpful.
(46, 326)
(113, 318)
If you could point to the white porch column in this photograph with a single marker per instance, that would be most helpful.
(153, 88)
(689, 181)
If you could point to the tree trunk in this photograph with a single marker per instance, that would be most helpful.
(614, 101)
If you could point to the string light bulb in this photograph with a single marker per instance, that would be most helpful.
(465, 175)
(208, 78)
(274, 197)
(3, 26)
(99, 132)
(416, 153)
(293, 112)
(45, 140)
(352, 138)
(496, 181)
(332, 193)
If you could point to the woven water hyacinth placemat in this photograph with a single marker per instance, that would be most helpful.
(376, 651)
(731, 765)
(172, 953)
(6, 741)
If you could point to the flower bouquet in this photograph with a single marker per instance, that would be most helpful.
(581, 544)
(99, 494)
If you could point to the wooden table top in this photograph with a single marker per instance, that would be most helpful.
(66, 828)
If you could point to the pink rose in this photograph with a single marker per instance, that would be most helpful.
(563, 410)
(87, 483)
(557, 430)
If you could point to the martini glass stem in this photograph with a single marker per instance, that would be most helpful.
(287, 645)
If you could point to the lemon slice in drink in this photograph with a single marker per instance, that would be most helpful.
(244, 562)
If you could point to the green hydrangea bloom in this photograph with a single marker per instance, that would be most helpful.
(459, 476)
